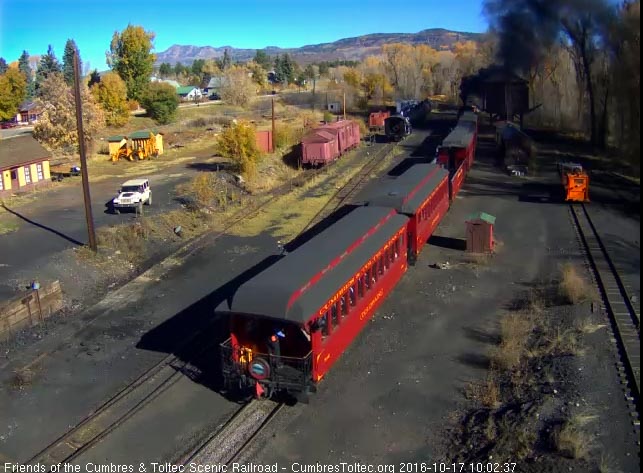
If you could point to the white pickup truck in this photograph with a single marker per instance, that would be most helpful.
(133, 195)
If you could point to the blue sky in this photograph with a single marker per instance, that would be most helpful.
(33, 24)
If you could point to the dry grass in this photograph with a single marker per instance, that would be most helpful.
(208, 190)
(572, 440)
(486, 393)
(515, 329)
(573, 287)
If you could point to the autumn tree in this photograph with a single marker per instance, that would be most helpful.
(25, 68)
(111, 94)
(48, 65)
(131, 56)
(237, 87)
(57, 124)
(3, 65)
(238, 143)
(68, 61)
(161, 102)
(259, 74)
(13, 89)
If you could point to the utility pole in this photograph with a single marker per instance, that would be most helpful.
(272, 140)
(344, 106)
(83, 158)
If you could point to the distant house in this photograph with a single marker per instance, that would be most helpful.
(213, 88)
(24, 164)
(28, 112)
(189, 93)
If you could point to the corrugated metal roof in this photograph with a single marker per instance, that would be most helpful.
(285, 291)
(185, 89)
(21, 150)
(116, 138)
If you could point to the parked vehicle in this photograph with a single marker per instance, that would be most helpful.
(133, 194)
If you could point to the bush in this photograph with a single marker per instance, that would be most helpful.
(329, 117)
(287, 136)
(161, 102)
(239, 144)
(133, 105)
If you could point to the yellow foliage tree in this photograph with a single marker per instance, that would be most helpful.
(237, 87)
(111, 94)
(13, 88)
(238, 143)
(57, 124)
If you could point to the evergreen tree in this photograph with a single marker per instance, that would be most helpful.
(68, 61)
(225, 62)
(48, 65)
(178, 69)
(25, 68)
(3, 65)
(263, 59)
(165, 69)
(94, 78)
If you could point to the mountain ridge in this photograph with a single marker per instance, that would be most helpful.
(354, 48)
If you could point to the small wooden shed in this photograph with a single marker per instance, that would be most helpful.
(116, 143)
(480, 232)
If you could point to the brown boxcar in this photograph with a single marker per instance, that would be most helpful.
(319, 147)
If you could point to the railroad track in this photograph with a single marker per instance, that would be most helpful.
(228, 444)
(120, 407)
(351, 187)
(624, 314)
(113, 413)
(231, 441)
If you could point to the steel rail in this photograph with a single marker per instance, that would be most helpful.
(623, 317)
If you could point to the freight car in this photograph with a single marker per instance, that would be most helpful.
(328, 142)
(397, 127)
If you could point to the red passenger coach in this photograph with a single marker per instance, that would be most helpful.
(457, 151)
(290, 323)
(422, 194)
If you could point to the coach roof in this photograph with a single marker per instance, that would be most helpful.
(296, 286)
(407, 192)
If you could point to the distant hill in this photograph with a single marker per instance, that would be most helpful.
(348, 48)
